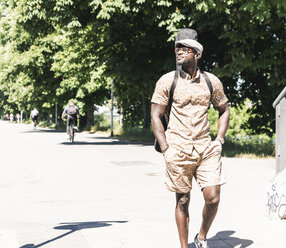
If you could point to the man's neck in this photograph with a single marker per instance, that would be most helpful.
(192, 71)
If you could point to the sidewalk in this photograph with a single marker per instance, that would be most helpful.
(111, 194)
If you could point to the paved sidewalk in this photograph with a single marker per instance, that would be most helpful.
(103, 193)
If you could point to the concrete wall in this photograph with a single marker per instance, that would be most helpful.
(280, 106)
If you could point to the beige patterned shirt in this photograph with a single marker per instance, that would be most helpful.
(188, 126)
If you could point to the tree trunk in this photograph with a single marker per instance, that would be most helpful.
(146, 113)
(89, 118)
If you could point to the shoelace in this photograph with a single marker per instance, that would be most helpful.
(204, 243)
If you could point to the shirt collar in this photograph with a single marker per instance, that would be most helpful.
(187, 76)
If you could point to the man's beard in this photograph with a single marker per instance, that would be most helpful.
(187, 64)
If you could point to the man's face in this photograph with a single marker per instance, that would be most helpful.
(185, 56)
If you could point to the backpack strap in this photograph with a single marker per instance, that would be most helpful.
(165, 118)
(208, 82)
(174, 84)
(209, 85)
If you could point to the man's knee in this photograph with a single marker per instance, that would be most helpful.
(183, 201)
(212, 196)
(212, 201)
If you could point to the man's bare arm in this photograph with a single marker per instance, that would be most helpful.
(223, 120)
(157, 112)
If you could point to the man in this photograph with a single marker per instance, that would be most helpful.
(186, 145)
(72, 113)
(34, 115)
(11, 117)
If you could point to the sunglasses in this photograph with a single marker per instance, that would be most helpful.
(185, 50)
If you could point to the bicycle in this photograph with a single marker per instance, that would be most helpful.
(35, 123)
(71, 130)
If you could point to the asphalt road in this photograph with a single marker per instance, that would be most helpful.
(103, 193)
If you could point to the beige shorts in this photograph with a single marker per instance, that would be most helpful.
(206, 168)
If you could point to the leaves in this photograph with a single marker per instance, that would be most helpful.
(55, 50)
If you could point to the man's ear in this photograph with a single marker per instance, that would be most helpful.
(198, 56)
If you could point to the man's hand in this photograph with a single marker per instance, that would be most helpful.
(157, 112)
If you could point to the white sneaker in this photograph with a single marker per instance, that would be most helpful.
(75, 128)
(200, 243)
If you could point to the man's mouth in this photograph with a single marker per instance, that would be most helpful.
(180, 57)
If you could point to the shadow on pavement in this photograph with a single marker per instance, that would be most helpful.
(112, 142)
(43, 131)
(223, 239)
(72, 227)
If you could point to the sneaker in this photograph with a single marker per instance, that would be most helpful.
(75, 128)
(200, 243)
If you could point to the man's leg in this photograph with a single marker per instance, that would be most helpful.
(75, 123)
(182, 217)
(212, 197)
(68, 125)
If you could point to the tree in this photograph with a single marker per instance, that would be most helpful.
(244, 45)
(73, 48)
(53, 62)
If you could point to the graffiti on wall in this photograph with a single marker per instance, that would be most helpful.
(276, 203)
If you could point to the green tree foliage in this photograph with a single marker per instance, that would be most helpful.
(53, 50)
(136, 53)
(50, 57)
(244, 44)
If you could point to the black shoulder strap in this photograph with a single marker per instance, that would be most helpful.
(208, 82)
(172, 91)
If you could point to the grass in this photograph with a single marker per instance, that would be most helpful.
(251, 147)
(256, 146)
(137, 135)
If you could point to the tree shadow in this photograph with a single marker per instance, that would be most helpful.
(108, 143)
(223, 239)
(73, 227)
(44, 131)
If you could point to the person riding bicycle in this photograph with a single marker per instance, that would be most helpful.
(72, 113)
(34, 115)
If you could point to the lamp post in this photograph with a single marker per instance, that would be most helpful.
(56, 115)
(111, 124)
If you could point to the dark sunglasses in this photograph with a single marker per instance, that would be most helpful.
(185, 50)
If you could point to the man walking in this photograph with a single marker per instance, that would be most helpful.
(186, 145)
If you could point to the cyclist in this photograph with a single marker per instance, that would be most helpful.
(34, 115)
(72, 113)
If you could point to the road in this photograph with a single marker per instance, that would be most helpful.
(103, 193)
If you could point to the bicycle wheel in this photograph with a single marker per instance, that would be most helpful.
(71, 132)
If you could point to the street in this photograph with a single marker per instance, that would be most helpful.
(104, 193)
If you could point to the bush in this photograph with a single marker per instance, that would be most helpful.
(103, 123)
(258, 145)
(237, 141)
(138, 134)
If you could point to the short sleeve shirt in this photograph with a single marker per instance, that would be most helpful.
(34, 112)
(188, 126)
(66, 110)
